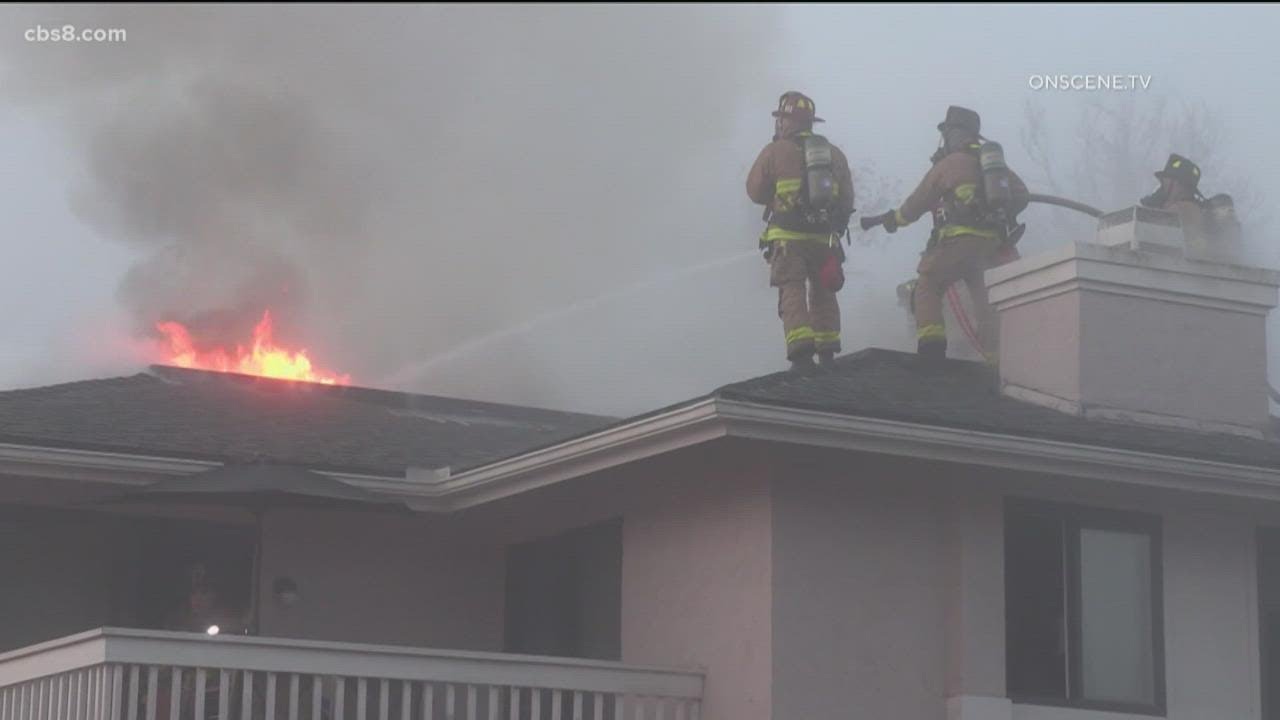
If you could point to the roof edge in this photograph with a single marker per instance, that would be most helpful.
(675, 428)
(718, 417)
(695, 423)
(973, 447)
(63, 463)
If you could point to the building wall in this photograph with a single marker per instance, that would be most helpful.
(375, 578)
(859, 591)
(1210, 601)
(1052, 364)
(697, 589)
(1136, 354)
(889, 593)
(55, 580)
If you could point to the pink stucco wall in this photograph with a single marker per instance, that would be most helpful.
(860, 593)
(697, 576)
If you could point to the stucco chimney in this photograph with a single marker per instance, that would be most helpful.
(1129, 328)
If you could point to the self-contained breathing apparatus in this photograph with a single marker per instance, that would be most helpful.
(814, 208)
(1223, 223)
(987, 205)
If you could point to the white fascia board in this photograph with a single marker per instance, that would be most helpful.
(726, 418)
(805, 427)
(681, 427)
(136, 470)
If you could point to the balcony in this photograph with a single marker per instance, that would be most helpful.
(118, 674)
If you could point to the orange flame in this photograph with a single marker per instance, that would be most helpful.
(263, 358)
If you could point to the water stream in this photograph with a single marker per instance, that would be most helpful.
(414, 373)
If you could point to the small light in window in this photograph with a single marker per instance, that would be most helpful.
(213, 630)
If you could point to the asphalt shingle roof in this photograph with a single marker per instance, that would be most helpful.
(234, 418)
(890, 385)
(183, 413)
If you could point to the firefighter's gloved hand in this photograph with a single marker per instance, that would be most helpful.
(767, 254)
(891, 223)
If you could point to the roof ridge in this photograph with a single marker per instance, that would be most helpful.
(384, 398)
(70, 384)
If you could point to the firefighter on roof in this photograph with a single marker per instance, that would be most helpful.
(1208, 224)
(974, 199)
(807, 190)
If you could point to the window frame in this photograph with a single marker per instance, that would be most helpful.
(1073, 519)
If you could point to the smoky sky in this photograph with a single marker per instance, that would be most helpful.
(393, 181)
(535, 203)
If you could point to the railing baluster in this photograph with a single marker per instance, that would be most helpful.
(384, 700)
(317, 690)
(599, 707)
(639, 707)
(555, 705)
(175, 692)
(93, 683)
(494, 702)
(82, 691)
(246, 695)
(682, 709)
(153, 689)
(577, 706)
(271, 697)
(536, 703)
(117, 692)
(449, 702)
(428, 701)
(224, 693)
(133, 692)
(406, 700)
(201, 679)
(515, 703)
(695, 710)
(101, 711)
(362, 697)
(471, 702)
(339, 697)
(293, 696)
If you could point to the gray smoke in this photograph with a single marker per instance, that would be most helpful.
(395, 181)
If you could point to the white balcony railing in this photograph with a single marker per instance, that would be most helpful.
(116, 674)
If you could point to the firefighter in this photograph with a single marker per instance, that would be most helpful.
(965, 239)
(1179, 192)
(807, 190)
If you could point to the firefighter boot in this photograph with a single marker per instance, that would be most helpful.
(932, 353)
(803, 365)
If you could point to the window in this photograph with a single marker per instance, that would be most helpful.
(1083, 615)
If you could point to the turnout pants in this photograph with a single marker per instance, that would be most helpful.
(963, 257)
(810, 314)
